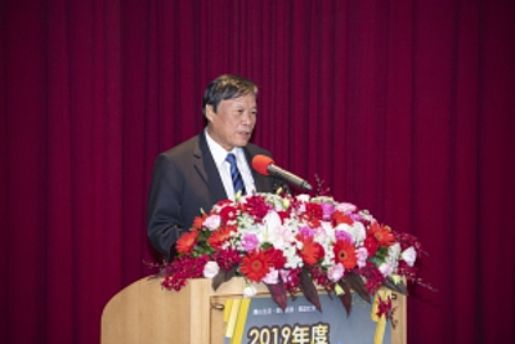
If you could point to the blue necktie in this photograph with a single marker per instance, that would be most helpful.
(237, 180)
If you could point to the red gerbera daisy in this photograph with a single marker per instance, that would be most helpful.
(197, 222)
(186, 242)
(311, 252)
(220, 236)
(255, 266)
(345, 253)
(383, 234)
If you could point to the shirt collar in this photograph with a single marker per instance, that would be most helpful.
(218, 152)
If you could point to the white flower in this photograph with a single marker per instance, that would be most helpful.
(212, 222)
(394, 251)
(303, 197)
(293, 260)
(367, 216)
(409, 255)
(274, 232)
(357, 231)
(335, 272)
(271, 277)
(346, 207)
(249, 290)
(211, 269)
(386, 269)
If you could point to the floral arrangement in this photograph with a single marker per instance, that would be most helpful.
(295, 244)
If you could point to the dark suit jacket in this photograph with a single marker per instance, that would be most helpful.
(185, 180)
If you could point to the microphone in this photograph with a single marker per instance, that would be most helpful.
(265, 165)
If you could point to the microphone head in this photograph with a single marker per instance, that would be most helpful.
(260, 163)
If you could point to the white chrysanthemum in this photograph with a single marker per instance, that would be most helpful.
(211, 269)
(293, 260)
(409, 255)
(328, 258)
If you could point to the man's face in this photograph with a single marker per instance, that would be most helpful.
(232, 125)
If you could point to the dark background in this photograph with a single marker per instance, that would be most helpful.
(405, 108)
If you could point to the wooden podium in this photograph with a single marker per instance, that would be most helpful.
(144, 312)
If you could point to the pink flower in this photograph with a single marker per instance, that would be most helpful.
(362, 255)
(335, 272)
(212, 222)
(272, 277)
(327, 210)
(250, 242)
(306, 232)
(342, 235)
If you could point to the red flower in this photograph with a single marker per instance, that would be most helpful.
(197, 222)
(383, 234)
(186, 242)
(276, 258)
(257, 207)
(314, 214)
(220, 236)
(255, 266)
(345, 253)
(371, 244)
(311, 252)
(283, 215)
(228, 213)
(227, 258)
(374, 278)
(338, 217)
(183, 269)
(384, 307)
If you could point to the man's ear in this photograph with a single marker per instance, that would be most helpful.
(210, 112)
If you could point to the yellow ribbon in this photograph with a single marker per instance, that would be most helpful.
(384, 294)
(235, 317)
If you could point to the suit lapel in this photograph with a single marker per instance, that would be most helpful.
(206, 168)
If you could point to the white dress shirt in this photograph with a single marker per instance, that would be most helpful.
(224, 168)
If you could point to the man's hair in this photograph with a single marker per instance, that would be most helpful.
(225, 87)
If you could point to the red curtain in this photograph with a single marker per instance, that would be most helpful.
(402, 107)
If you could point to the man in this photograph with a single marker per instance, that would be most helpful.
(207, 168)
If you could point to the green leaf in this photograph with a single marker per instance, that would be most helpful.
(309, 290)
(397, 287)
(278, 293)
(221, 277)
(356, 283)
(346, 297)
